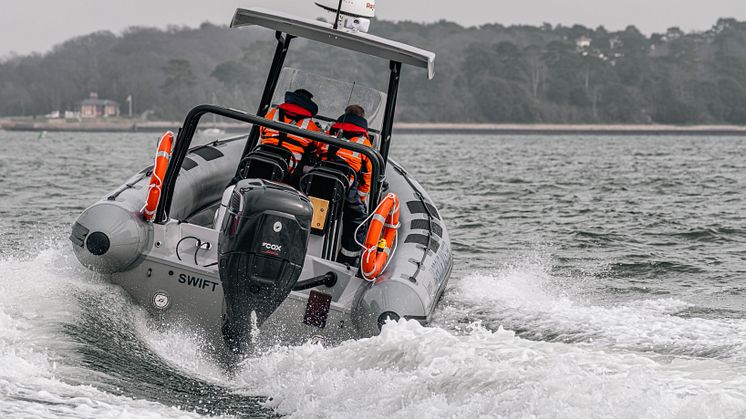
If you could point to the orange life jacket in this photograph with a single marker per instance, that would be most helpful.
(297, 145)
(359, 163)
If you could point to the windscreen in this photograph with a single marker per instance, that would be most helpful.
(333, 96)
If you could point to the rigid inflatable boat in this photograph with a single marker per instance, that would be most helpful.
(255, 262)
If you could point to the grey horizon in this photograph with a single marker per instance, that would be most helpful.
(20, 22)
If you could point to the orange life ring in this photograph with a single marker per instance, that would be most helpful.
(381, 237)
(162, 157)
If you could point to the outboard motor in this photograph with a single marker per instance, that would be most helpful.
(262, 247)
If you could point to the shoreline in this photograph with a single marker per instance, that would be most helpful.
(399, 128)
(570, 129)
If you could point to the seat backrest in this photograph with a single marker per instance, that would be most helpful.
(340, 167)
(263, 165)
(328, 185)
(283, 152)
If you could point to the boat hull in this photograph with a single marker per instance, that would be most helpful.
(168, 269)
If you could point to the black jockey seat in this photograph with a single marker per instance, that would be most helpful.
(326, 185)
(267, 162)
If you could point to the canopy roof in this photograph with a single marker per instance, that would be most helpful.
(343, 38)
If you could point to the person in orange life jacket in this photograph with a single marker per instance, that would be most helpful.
(298, 109)
(353, 127)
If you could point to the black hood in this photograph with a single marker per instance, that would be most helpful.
(302, 101)
(353, 119)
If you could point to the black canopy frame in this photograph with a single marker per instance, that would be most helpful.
(286, 29)
(278, 62)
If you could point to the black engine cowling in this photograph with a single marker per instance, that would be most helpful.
(262, 247)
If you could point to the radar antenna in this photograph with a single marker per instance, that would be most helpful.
(354, 15)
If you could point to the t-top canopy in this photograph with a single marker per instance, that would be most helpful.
(343, 38)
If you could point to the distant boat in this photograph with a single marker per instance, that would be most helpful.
(212, 131)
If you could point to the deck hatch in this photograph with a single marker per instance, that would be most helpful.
(208, 153)
(188, 164)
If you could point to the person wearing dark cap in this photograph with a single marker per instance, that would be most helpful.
(299, 109)
(352, 127)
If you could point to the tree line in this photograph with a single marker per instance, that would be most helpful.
(492, 73)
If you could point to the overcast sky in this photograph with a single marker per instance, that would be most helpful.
(37, 25)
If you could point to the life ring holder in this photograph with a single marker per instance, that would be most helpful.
(381, 239)
(162, 158)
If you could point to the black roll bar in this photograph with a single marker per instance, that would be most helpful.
(388, 116)
(281, 52)
(187, 131)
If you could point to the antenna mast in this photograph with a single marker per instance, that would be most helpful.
(336, 19)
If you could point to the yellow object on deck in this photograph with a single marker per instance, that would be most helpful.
(320, 212)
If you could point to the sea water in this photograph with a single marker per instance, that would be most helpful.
(593, 277)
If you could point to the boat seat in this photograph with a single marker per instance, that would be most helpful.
(266, 162)
(283, 152)
(346, 173)
(330, 185)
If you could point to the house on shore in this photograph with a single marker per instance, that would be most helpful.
(93, 107)
(583, 43)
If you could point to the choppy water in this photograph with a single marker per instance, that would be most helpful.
(594, 277)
